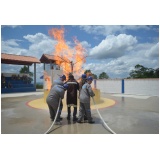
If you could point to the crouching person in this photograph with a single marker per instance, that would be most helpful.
(85, 94)
(53, 98)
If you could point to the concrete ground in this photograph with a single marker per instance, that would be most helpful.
(131, 114)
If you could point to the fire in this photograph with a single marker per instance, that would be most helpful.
(47, 80)
(70, 59)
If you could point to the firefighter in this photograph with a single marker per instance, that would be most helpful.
(85, 94)
(73, 88)
(60, 81)
(81, 83)
(56, 92)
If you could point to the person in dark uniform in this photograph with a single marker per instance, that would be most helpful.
(73, 87)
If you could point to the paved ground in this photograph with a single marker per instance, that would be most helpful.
(130, 115)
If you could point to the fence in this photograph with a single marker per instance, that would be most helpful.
(148, 86)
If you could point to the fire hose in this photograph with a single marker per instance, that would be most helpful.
(54, 118)
(97, 112)
(102, 118)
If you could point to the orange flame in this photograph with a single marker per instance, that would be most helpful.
(70, 59)
(47, 80)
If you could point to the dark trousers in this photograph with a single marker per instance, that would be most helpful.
(74, 112)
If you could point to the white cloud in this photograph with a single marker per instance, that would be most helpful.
(12, 47)
(115, 55)
(11, 42)
(153, 51)
(40, 44)
(113, 46)
(43, 47)
(111, 29)
(11, 26)
(120, 67)
(85, 44)
(37, 38)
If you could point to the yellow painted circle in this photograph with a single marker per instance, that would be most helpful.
(41, 104)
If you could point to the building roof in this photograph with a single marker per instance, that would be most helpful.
(46, 58)
(18, 59)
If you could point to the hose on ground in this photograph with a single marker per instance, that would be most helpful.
(102, 118)
(54, 118)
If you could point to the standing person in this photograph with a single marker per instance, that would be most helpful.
(59, 81)
(85, 94)
(73, 87)
(81, 83)
(53, 98)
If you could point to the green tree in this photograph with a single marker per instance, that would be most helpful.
(143, 72)
(87, 71)
(156, 73)
(26, 70)
(94, 76)
(103, 75)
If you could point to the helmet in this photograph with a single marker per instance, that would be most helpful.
(65, 86)
(84, 76)
(63, 76)
(89, 78)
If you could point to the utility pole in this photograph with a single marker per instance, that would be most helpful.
(71, 62)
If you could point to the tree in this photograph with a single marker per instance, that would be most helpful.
(143, 72)
(94, 76)
(89, 73)
(103, 75)
(156, 73)
(25, 69)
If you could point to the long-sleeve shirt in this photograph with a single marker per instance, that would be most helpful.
(86, 93)
(56, 92)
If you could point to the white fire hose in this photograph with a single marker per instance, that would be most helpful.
(54, 118)
(102, 118)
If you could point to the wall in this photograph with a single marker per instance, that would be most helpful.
(142, 86)
(149, 86)
(109, 86)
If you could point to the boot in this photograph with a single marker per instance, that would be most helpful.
(91, 122)
(69, 113)
(85, 118)
(75, 112)
(79, 121)
(75, 118)
(68, 118)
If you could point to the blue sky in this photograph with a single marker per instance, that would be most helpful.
(114, 49)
